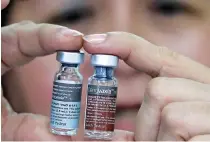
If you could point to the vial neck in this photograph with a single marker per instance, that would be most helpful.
(104, 72)
(69, 68)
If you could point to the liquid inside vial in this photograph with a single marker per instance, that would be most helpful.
(101, 105)
(66, 101)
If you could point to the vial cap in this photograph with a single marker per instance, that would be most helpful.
(70, 57)
(104, 60)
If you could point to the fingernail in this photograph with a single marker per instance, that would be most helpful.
(95, 38)
(65, 32)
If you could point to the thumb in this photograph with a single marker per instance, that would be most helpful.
(29, 127)
(145, 56)
(25, 126)
(24, 41)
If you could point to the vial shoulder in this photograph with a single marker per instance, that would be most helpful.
(103, 81)
(69, 77)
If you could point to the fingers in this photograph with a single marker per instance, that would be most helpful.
(24, 41)
(160, 92)
(4, 3)
(182, 121)
(27, 127)
(147, 57)
(200, 138)
(6, 109)
(121, 135)
(36, 128)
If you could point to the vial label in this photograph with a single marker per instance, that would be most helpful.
(65, 107)
(101, 108)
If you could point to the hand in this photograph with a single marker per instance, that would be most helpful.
(176, 104)
(21, 43)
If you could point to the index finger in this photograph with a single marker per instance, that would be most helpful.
(145, 56)
(24, 41)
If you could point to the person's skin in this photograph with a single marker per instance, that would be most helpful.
(178, 91)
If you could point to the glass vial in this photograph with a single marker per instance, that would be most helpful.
(101, 98)
(66, 96)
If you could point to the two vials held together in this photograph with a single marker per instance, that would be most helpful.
(100, 99)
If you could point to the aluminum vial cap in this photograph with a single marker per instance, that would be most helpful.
(104, 60)
(70, 57)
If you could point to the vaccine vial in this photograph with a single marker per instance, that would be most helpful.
(101, 98)
(66, 95)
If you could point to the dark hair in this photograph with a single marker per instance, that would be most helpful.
(5, 14)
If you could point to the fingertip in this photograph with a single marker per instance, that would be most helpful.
(106, 43)
(69, 43)
(95, 38)
(60, 38)
(69, 39)
(93, 43)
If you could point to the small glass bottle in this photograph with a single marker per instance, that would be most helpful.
(66, 96)
(101, 98)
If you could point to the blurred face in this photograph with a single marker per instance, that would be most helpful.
(182, 25)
